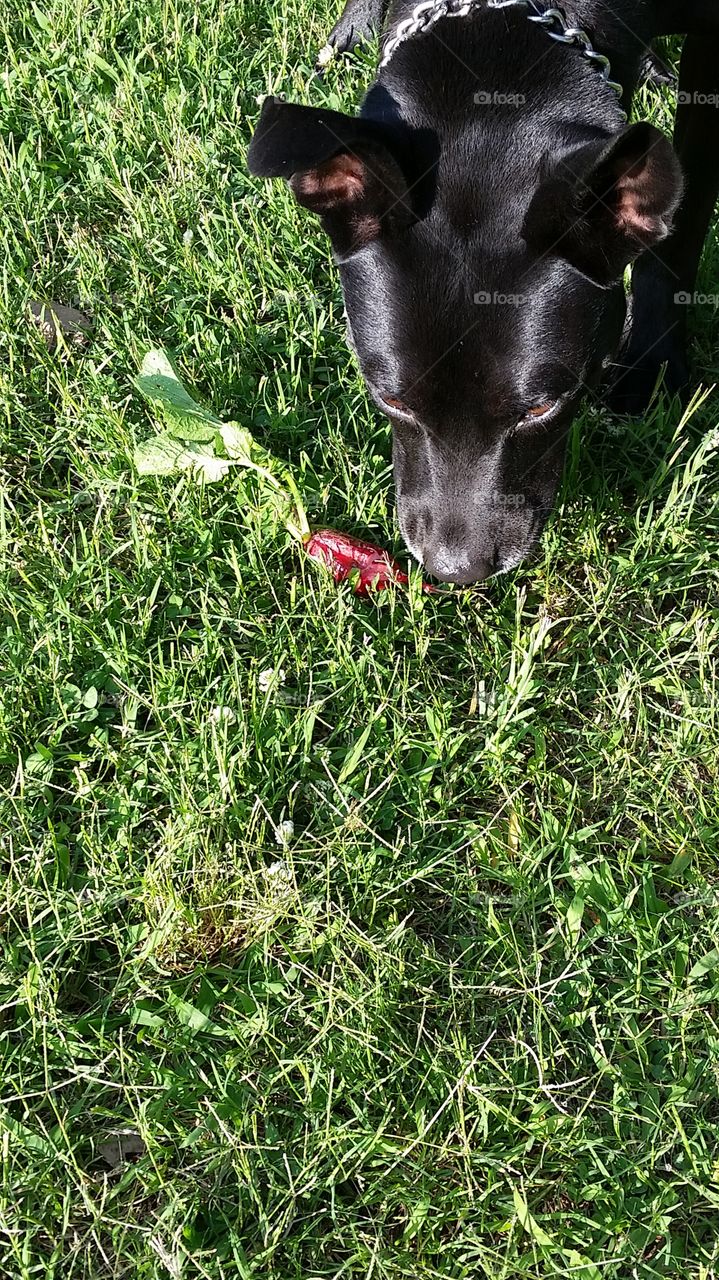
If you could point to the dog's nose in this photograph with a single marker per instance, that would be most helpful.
(456, 568)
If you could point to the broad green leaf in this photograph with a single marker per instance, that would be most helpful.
(24, 1137)
(197, 441)
(186, 429)
(530, 1224)
(241, 445)
(355, 755)
(575, 913)
(144, 1018)
(238, 441)
(158, 456)
(159, 383)
(192, 1017)
(707, 963)
(163, 455)
(680, 862)
(204, 463)
(581, 1268)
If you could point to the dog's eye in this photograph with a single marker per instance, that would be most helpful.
(540, 410)
(393, 405)
(537, 413)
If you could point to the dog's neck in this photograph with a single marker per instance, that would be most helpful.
(622, 40)
(467, 75)
(557, 24)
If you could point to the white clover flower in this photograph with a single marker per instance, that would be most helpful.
(284, 832)
(269, 677)
(223, 714)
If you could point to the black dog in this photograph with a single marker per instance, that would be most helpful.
(483, 209)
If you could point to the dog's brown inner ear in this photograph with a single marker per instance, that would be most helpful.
(358, 195)
(602, 206)
(337, 183)
(636, 201)
(342, 191)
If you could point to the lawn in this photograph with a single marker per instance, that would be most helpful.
(340, 938)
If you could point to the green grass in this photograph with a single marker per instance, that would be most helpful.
(461, 1020)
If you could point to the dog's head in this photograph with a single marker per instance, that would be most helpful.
(479, 316)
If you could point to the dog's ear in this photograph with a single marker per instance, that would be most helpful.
(604, 205)
(341, 167)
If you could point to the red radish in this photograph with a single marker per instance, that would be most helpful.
(344, 554)
(198, 442)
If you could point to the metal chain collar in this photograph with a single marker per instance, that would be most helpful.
(428, 12)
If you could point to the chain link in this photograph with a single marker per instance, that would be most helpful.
(554, 22)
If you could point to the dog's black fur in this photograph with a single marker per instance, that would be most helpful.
(482, 243)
